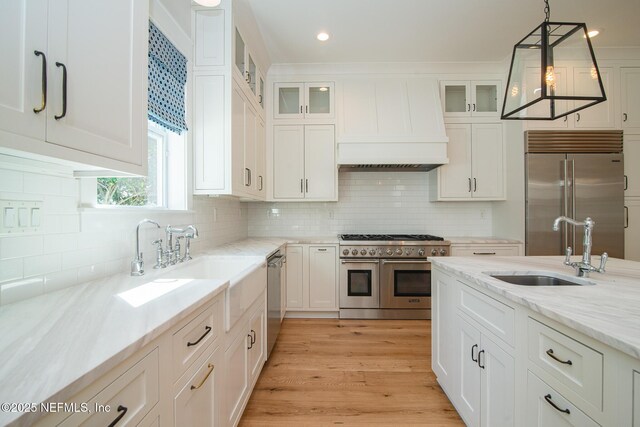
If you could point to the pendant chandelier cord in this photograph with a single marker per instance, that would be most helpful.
(547, 10)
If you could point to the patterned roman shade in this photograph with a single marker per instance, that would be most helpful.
(167, 79)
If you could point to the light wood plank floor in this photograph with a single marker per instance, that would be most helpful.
(350, 372)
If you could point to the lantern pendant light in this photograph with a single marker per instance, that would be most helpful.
(536, 90)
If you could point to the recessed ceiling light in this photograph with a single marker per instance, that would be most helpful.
(208, 3)
(323, 37)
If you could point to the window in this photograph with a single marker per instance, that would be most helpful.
(145, 191)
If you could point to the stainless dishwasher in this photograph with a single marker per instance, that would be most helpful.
(275, 277)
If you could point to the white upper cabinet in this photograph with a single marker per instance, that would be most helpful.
(245, 69)
(537, 110)
(599, 116)
(303, 100)
(476, 164)
(304, 163)
(463, 98)
(209, 45)
(95, 79)
(630, 89)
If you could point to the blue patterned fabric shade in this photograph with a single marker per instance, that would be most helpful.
(167, 78)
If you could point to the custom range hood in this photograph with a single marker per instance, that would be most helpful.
(391, 124)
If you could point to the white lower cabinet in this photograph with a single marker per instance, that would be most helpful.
(632, 229)
(636, 399)
(486, 381)
(548, 408)
(197, 397)
(312, 277)
(244, 357)
(490, 249)
(443, 327)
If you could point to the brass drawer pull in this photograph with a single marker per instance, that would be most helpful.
(195, 387)
(208, 329)
(554, 357)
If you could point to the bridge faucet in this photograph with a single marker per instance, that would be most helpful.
(584, 267)
(137, 265)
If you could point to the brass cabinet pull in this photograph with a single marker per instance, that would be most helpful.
(554, 357)
(195, 387)
(208, 329)
(43, 105)
(64, 90)
(550, 402)
(123, 410)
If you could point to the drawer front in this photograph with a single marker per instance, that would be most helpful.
(497, 317)
(127, 399)
(548, 408)
(192, 339)
(569, 361)
(485, 250)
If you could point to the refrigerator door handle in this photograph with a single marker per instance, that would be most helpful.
(564, 235)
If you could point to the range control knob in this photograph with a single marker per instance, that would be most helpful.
(389, 251)
(354, 252)
(434, 252)
(345, 252)
(408, 251)
(372, 252)
(363, 252)
(421, 252)
(398, 251)
(443, 251)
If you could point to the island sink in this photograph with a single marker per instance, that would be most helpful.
(539, 279)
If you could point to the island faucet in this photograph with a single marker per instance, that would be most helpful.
(137, 265)
(584, 267)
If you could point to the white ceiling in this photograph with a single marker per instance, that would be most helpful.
(427, 30)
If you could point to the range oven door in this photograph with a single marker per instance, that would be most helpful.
(405, 284)
(359, 283)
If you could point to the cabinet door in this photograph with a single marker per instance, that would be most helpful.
(250, 145)
(288, 162)
(533, 92)
(469, 380)
(486, 98)
(443, 327)
(209, 33)
(319, 100)
(260, 81)
(23, 29)
(487, 166)
(196, 403)
(636, 399)
(257, 350)
(454, 178)
(106, 88)
(631, 162)
(235, 377)
(261, 159)
(239, 55)
(320, 162)
(209, 160)
(632, 230)
(456, 99)
(599, 116)
(239, 176)
(295, 277)
(288, 101)
(322, 277)
(498, 385)
(630, 90)
(252, 75)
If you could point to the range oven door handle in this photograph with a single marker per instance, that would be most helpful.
(384, 261)
(357, 261)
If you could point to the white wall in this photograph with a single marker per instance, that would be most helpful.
(373, 202)
(78, 245)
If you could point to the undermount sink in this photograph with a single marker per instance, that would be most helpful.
(539, 279)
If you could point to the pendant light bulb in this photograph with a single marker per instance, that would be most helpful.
(208, 3)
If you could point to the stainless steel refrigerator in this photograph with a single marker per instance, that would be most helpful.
(578, 174)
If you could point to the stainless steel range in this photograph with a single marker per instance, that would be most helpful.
(387, 276)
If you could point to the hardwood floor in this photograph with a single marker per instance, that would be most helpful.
(350, 372)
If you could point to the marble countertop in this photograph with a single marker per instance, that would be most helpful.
(609, 311)
(461, 240)
(56, 344)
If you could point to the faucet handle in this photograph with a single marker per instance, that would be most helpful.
(603, 262)
(158, 244)
(567, 256)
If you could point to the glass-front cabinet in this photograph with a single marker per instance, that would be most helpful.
(465, 98)
(303, 100)
(247, 69)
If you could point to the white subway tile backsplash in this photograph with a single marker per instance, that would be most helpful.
(10, 269)
(42, 264)
(60, 280)
(11, 181)
(19, 247)
(60, 242)
(90, 272)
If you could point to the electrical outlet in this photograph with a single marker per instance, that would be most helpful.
(20, 216)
